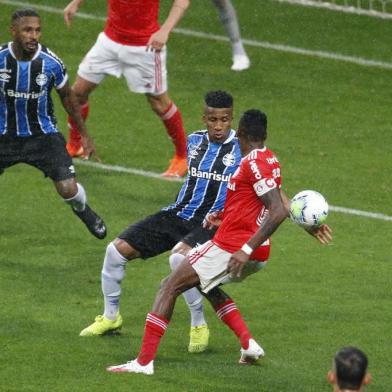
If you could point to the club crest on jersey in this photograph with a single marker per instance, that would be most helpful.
(229, 159)
(41, 79)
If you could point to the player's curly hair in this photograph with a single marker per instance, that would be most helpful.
(218, 99)
(350, 366)
(253, 124)
(22, 13)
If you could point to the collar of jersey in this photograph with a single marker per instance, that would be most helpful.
(35, 56)
(229, 138)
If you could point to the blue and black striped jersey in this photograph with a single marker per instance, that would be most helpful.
(210, 166)
(26, 108)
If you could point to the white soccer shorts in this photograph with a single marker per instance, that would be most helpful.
(144, 71)
(210, 263)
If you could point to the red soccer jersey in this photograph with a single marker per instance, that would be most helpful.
(131, 22)
(259, 172)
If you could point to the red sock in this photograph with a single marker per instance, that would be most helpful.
(175, 129)
(74, 135)
(231, 316)
(154, 329)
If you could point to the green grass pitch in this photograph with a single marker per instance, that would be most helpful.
(329, 123)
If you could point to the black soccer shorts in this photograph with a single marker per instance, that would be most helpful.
(45, 152)
(158, 233)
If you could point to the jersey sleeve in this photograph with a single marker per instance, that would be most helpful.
(58, 69)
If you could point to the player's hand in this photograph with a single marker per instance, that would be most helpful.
(69, 12)
(89, 148)
(322, 233)
(237, 263)
(214, 219)
(157, 40)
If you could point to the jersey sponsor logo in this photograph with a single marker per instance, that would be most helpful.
(4, 77)
(17, 94)
(72, 169)
(255, 170)
(209, 175)
(41, 79)
(272, 160)
(264, 185)
(231, 186)
(229, 159)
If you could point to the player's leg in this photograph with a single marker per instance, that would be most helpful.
(182, 278)
(48, 154)
(101, 60)
(145, 73)
(144, 239)
(118, 252)
(228, 312)
(228, 17)
(82, 89)
(199, 332)
(171, 117)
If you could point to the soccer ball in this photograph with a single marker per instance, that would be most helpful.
(308, 208)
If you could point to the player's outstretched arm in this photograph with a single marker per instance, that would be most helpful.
(159, 38)
(72, 107)
(277, 213)
(70, 10)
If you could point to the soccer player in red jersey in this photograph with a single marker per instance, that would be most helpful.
(132, 45)
(255, 207)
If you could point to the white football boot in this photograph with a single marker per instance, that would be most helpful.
(251, 354)
(240, 62)
(133, 367)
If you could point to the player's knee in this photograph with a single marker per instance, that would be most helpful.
(67, 188)
(175, 260)
(114, 263)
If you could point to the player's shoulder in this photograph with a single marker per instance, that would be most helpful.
(4, 49)
(197, 136)
(49, 54)
(262, 154)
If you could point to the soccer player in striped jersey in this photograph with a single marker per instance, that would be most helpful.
(213, 157)
(28, 130)
(255, 207)
(133, 45)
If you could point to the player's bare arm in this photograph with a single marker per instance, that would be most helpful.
(160, 38)
(73, 109)
(70, 11)
(277, 213)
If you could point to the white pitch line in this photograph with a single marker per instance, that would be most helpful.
(144, 173)
(261, 44)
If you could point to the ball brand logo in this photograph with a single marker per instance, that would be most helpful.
(229, 159)
(209, 175)
(255, 169)
(17, 94)
(41, 79)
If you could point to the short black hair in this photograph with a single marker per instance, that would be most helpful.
(218, 99)
(22, 13)
(253, 124)
(350, 367)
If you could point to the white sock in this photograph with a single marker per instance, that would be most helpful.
(238, 48)
(192, 297)
(113, 272)
(78, 202)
